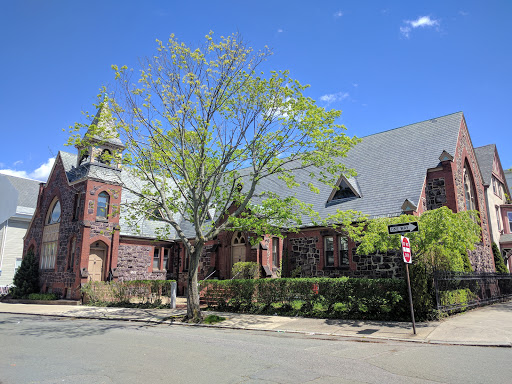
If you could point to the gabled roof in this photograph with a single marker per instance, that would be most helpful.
(391, 167)
(27, 189)
(485, 158)
(18, 197)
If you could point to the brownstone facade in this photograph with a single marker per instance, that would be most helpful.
(85, 236)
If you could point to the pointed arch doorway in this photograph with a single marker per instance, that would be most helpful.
(96, 267)
(238, 249)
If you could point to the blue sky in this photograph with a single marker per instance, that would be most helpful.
(385, 64)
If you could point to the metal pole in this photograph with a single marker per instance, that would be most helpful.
(173, 295)
(410, 297)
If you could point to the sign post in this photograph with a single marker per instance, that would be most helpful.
(406, 252)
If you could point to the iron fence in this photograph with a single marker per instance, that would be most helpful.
(457, 291)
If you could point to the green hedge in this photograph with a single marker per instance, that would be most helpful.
(340, 298)
(43, 296)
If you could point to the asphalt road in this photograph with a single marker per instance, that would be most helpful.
(36, 349)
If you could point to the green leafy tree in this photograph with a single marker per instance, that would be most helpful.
(498, 260)
(26, 279)
(443, 240)
(204, 127)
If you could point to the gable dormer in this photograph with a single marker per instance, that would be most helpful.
(346, 188)
(445, 156)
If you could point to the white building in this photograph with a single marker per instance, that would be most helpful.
(508, 176)
(18, 200)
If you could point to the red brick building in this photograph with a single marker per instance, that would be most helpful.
(79, 232)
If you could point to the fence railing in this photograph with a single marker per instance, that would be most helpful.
(457, 291)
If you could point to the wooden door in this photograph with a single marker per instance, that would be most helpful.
(238, 254)
(96, 262)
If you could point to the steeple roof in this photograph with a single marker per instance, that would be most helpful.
(103, 127)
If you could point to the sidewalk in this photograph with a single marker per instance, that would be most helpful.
(487, 326)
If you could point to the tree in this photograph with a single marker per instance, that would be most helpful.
(443, 240)
(26, 279)
(203, 128)
(498, 260)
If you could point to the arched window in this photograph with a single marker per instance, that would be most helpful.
(469, 189)
(54, 213)
(238, 239)
(51, 236)
(84, 157)
(105, 157)
(71, 256)
(103, 200)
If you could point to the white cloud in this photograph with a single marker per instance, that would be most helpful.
(338, 14)
(405, 31)
(44, 170)
(463, 13)
(40, 173)
(332, 97)
(420, 22)
(13, 172)
(280, 30)
(19, 162)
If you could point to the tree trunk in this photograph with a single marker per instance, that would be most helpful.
(193, 309)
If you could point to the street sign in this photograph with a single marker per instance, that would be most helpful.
(406, 250)
(394, 229)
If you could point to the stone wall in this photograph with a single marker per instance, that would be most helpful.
(436, 193)
(481, 259)
(134, 262)
(305, 256)
(387, 265)
(62, 277)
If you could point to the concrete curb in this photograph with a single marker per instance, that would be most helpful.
(268, 330)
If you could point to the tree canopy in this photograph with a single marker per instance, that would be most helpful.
(443, 239)
(204, 127)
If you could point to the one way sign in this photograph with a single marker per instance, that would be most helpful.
(402, 228)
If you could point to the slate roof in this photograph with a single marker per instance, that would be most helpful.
(90, 170)
(27, 189)
(485, 158)
(391, 167)
(103, 119)
(506, 238)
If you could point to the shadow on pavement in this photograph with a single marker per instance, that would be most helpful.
(50, 327)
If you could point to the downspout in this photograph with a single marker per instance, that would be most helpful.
(486, 189)
(3, 244)
(110, 273)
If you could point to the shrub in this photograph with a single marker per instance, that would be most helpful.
(498, 260)
(26, 279)
(43, 296)
(344, 298)
(246, 270)
(134, 293)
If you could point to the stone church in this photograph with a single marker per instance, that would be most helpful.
(79, 233)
